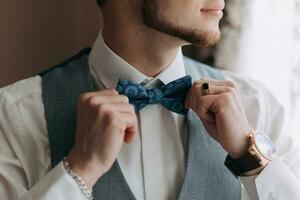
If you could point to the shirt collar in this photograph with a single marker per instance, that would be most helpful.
(109, 67)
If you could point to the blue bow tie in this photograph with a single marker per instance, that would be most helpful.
(172, 96)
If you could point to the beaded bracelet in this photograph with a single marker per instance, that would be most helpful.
(83, 187)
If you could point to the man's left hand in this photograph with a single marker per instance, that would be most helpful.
(222, 114)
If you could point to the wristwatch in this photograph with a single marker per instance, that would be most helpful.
(260, 152)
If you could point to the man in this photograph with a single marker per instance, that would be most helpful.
(134, 119)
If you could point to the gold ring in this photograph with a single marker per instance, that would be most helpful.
(205, 88)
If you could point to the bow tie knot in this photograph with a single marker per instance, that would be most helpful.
(155, 96)
(171, 96)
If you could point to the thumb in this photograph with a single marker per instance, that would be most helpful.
(129, 135)
(132, 129)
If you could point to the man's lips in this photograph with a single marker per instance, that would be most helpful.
(214, 8)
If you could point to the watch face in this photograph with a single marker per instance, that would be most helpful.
(264, 144)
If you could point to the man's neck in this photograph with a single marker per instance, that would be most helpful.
(146, 49)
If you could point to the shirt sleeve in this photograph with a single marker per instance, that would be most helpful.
(280, 179)
(15, 176)
(54, 186)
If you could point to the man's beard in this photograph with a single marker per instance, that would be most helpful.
(196, 36)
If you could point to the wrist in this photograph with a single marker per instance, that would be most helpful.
(242, 148)
(240, 153)
(88, 192)
(260, 153)
(255, 171)
(87, 170)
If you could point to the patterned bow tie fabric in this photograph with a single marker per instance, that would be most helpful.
(171, 96)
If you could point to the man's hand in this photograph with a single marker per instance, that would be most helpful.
(222, 114)
(105, 120)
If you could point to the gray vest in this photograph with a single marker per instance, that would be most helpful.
(206, 177)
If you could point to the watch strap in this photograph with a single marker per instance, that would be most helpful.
(243, 164)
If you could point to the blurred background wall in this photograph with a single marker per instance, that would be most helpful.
(38, 34)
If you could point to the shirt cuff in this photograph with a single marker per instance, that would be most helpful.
(57, 184)
(276, 181)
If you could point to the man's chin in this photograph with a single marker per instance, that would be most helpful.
(195, 37)
(198, 38)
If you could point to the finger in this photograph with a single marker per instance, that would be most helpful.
(130, 134)
(202, 106)
(196, 92)
(98, 100)
(117, 107)
(100, 92)
(213, 90)
(216, 82)
(215, 104)
(132, 126)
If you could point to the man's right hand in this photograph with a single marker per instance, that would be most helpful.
(105, 120)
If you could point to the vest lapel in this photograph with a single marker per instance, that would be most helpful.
(62, 85)
(206, 176)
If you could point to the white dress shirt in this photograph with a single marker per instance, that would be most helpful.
(154, 163)
(161, 131)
